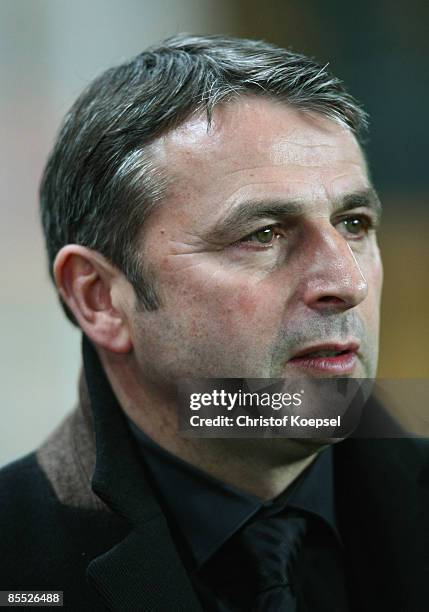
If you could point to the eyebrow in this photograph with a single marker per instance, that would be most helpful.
(243, 215)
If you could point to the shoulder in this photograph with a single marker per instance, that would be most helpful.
(406, 458)
(410, 448)
(22, 485)
(26, 504)
(47, 540)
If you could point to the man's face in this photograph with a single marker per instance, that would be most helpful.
(263, 250)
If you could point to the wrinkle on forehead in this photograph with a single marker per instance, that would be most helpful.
(254, 146)
(245, 115)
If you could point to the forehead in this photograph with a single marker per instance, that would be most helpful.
(257, 147)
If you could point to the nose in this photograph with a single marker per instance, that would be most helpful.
(334, 280)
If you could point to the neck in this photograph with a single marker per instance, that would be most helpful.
(261, 467)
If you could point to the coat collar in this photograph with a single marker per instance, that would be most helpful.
(92, 464)
(144, 571)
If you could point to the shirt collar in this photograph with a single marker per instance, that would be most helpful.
(208, 511)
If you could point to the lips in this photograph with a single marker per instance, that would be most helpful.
(331, 358)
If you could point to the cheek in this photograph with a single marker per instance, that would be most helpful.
(240, 300)
(230, 304)
(213, 326)
(246, 304)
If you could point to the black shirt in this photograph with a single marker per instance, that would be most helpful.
(205, 513)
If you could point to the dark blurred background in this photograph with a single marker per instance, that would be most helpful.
(50, 49)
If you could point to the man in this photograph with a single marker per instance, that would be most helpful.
(208, 213)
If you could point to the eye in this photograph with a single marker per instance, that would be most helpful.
(264, 236)
(356, 226)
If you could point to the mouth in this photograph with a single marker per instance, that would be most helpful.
(329, 358)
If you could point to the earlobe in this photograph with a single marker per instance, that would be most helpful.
(85, 281)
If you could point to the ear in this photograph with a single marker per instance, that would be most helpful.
(98, 295)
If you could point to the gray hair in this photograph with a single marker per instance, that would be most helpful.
(101, 182)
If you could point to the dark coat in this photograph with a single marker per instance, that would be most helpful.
(79, 516)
